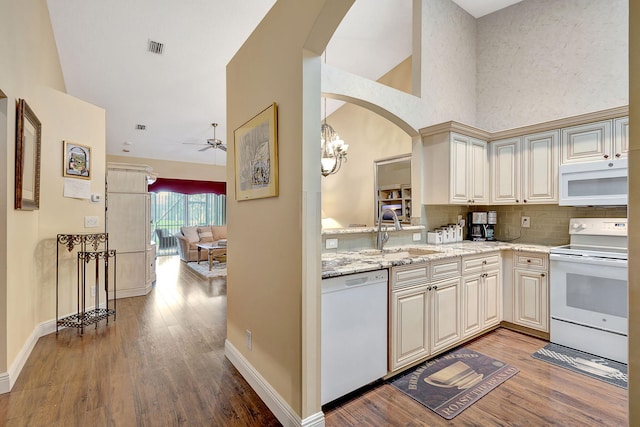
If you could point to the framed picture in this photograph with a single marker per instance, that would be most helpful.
(28, 139)
(256, 156)
(76, 160)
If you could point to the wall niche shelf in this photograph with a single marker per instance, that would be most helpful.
(92, 256)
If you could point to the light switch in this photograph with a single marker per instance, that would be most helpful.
(417, 237)
(331, 244)
(91, 221)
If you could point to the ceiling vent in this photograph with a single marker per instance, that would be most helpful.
(141, 127)
(155, 47)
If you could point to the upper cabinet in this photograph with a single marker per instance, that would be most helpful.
(456, 169)
(525, 169)
(607, 139)
(516, 166)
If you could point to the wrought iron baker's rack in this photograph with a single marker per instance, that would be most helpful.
(91, 248)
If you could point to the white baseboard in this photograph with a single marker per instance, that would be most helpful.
(132, 292)
(271, 398)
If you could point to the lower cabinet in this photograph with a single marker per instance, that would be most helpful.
(530, 290)
(424, 319)
(481, 302)
(531, 299)
(409, 340)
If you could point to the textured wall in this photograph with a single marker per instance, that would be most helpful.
(448, 68)
(540, 60)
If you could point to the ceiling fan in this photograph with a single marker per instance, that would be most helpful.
(211, 142)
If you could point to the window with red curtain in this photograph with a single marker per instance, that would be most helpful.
(188, 186)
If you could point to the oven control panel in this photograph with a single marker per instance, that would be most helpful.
(598, 226)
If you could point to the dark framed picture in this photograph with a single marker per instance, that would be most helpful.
(28, 140)
(256, 156)
(76, 160)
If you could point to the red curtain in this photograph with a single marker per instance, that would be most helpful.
(188, 186)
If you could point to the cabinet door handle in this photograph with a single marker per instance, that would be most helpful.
(542, 275)
(428, 288)
(618, 155)
(484, 261)
(606, 156)
(517, 201)
(528, 260)
(435, 288)
(524, 201)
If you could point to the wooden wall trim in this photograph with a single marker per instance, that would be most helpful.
(474, 132)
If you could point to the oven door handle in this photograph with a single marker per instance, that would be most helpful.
(612, 262)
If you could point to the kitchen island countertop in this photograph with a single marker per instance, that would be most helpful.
(343, 263)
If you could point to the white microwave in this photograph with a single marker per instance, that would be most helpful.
(601, 183)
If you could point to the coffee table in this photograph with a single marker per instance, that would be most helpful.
(213, 250)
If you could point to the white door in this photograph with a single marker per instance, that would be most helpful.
(471, 305)
(540, 167)
(478, 176)
(459, 169)
(586, 142)
(409, 332)
(445, 313)
(492, 297)
(505, 171)
(620, 137)
(531, 299)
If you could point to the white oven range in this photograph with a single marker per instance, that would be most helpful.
(588, 288)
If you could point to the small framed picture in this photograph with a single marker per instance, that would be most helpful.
(76, 160)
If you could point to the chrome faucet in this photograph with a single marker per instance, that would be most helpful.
(383, 236)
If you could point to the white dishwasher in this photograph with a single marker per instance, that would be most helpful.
(354, 332)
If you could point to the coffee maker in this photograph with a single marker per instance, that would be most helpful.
(489, 229)
(477, 223)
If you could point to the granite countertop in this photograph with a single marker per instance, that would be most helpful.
(342, 263)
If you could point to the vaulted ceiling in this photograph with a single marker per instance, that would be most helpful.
(176, 95)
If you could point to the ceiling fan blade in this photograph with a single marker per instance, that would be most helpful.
(206, 148)
(223, 147)
(194, 143)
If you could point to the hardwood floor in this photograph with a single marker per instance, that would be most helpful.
(539, 395)
(162, 363)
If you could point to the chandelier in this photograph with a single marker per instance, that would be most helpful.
(333, 148)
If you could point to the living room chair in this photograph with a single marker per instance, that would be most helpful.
(165, 240)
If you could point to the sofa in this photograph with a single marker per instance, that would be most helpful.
(189, 237)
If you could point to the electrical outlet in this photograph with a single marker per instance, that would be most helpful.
(248, 339)
(525, 221)
(331, 244)
(91, 221)
(417, 237)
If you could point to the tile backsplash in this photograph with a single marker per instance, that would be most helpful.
(549, 223)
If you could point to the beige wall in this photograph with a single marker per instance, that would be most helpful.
(176, 170)
(348, 196)
(540, 60)
(274, 259)
(634, 214)
(30, 69)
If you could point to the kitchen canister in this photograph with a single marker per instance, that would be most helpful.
(434, 237)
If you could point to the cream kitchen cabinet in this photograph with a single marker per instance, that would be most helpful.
(481, 293)
(424, 316)
(525, 169)
(531, 290)
(128, 216)
(603, 140)
(456, 169)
